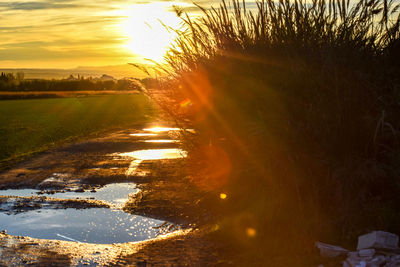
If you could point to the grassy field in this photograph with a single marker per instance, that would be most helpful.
(29, 126)
(12, 95)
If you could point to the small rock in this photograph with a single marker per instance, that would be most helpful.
(392, 264)
(378, 239)
(395, 258)
(331, 251)
(378, 260)
(366, 252)
(356, 261)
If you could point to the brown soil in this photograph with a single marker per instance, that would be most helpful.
(168, 194)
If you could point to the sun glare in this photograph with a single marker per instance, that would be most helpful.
(146, 32)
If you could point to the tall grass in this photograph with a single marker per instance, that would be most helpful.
(303, 97)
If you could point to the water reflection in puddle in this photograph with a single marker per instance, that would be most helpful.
(161, 141)
(116, 193)
(154, 131)
(96, 225)
(151, 154)
(143, 134)
(161, 129)
(155, 154)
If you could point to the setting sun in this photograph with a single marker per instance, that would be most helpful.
(147, 28)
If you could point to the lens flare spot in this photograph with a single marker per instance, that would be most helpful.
(213, 166)
(251, 232)
(223, 196)
(186, 103)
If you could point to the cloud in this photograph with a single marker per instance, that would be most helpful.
(75, 31)
(35, 5)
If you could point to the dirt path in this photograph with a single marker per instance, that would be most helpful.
(165, 193)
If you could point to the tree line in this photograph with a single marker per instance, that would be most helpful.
(16, 82)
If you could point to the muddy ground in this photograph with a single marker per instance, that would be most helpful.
(165, 193)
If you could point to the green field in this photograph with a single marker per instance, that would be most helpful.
(29, 126)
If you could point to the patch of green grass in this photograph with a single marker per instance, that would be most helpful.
(29, 126)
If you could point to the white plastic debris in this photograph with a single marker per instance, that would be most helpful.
(331, 251)
(378, 239)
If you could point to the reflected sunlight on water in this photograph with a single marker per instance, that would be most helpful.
(155, 154)
(95, 225)
(116, 193)
(143, 134)
(161, 141)
(151, 154)
(161, 129)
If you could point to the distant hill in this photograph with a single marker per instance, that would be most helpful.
(116, 71)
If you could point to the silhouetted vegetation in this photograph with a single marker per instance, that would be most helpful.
(301, 101)
(16, 82)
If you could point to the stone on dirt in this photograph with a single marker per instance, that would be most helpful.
(375, 249)
(379, 240)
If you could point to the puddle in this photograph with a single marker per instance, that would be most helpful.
(154, 131)
(143, 134)
(116, 193)
(92, 225)
(96, 225)
(151, 154)
(161, 141)
(155, 154)
(161, 129)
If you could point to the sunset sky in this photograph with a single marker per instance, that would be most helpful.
(71, 33)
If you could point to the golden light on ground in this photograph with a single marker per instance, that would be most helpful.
(251, 232)
(223, 196)
(146, 29)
